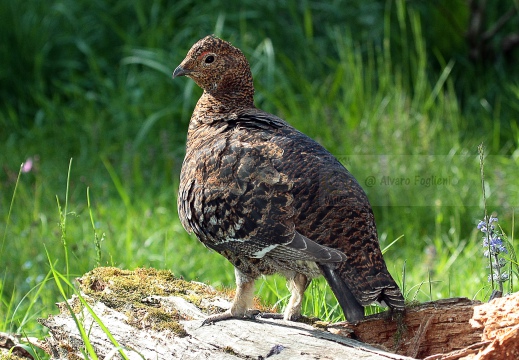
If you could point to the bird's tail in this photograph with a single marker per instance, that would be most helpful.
(352, 309)
(392, 297)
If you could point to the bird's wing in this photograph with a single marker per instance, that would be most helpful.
(332, 209)
(264, 189)
(233, 197)
(302, 248)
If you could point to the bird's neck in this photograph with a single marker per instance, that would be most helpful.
(234, 90)
(214, 107)
(212, 113)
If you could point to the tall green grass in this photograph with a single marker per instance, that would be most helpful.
(92, 82)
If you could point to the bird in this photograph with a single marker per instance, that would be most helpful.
(272, 200)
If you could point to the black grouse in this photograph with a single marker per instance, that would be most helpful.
(270, 199)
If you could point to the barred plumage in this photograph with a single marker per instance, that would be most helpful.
(269, 198)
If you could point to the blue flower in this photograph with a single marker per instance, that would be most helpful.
(493, 244)
(482, 225)
(499, 278)
(496, 244)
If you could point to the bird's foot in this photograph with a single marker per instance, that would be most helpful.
(276, 316)
(227, 315)
(287, 317)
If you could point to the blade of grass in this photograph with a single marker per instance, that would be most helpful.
(439, 84)
(57, 279)
(103, 327)
(10, 210)
(63, 220)
(30, 349)
(31, 303)
(117, 182)
(392, 243)
(97, 241)
(127, 203)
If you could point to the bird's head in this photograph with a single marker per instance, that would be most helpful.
(218, 68)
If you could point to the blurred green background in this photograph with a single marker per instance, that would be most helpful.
(395, 89)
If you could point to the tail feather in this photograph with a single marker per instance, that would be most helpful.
(384, 290)
(352, 309)
(393, 298)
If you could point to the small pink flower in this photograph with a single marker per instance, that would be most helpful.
(27, 165)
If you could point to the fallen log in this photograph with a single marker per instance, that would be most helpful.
(150, 314)
(430, 328)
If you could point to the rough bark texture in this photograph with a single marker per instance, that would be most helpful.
(10, 347)
(499, 321)
(431, 328)
(167, 326)
(232, 339)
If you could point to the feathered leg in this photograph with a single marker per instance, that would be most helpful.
(242, 303)
(297, 286)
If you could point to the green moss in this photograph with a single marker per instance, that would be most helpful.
(74, 304)
(124, 290)
(10, 357)
(321, 324)
(173, 326)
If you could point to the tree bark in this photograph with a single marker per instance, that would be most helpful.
(168, 325)
(436, 327)
(231, 339)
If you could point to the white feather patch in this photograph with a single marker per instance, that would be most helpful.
(264, 251)
(230, 239)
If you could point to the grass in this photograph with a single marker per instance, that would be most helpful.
(377, 96)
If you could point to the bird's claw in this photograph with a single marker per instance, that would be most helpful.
(276, 316)
(227, 315)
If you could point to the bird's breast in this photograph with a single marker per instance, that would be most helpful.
(229, 178)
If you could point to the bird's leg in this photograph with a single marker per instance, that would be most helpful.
(242, 302)
(244, 294)
(297, 286)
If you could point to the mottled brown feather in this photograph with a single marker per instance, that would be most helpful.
(251, 184)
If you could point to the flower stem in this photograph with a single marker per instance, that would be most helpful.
(481, 151)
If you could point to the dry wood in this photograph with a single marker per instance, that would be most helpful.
(430, 328)
(10, 346)
(167, 325)
(233, 339)
(499, 321)
(448, 329)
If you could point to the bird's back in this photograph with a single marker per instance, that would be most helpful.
(250, 182)
(332, 209)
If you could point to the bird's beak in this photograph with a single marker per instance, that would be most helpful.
(180, 71)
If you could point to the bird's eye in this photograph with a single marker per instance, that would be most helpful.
(209, 59)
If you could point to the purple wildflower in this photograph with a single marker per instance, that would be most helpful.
(499, 278)
(494, 247)
(27, 165)
(482, 225)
